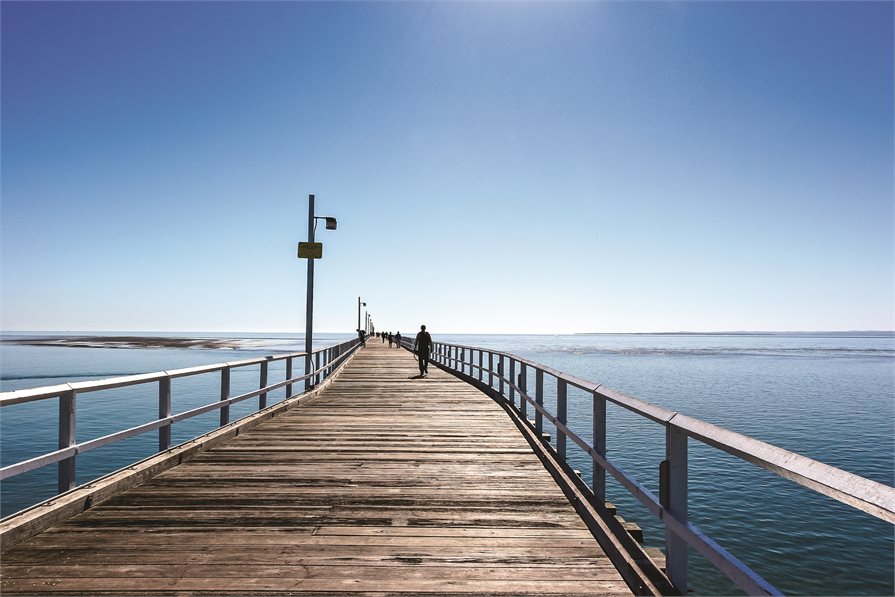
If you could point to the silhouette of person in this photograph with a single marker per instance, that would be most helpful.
(391, 339)
(422, 345)
(398, 340)
(362, 335)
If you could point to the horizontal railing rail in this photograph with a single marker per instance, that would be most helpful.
(508, 376)
(322, 363)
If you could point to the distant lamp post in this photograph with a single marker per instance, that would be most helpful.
(359, 303)
(311, 250)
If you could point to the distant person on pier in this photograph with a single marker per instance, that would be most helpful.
(391, 339)
(382, 335)
(362, 335)
(422, 345)
(398, 340)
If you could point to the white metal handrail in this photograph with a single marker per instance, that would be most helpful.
(326, 360)
(489, 369)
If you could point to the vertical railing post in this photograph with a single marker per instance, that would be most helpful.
(539, 399)
(673, 497)
(500, 369)
(462, 360)
(289, 376)
(67, 472)
(490, 369)
(599, 445)
(225, 394)
(513, 381)
(262, 383)
(523, 403)
(481, 373)
(317, 368)
(324, 363)
(561, 416)
(164, 411)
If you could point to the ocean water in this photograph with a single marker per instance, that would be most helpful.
(830, 397)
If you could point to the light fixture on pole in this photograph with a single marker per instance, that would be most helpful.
(311, 250)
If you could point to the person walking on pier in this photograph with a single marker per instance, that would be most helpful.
(422, 344)
(398, 340)
(391, 339)
(362, 335)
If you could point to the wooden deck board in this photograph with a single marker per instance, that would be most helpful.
(382, 484)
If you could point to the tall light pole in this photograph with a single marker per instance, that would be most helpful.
(311, 251)
(358, 312)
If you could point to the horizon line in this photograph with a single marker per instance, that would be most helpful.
(301, 332)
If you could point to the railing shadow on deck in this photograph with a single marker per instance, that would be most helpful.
(507, 375)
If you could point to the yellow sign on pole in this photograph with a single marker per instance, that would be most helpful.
(310, 250)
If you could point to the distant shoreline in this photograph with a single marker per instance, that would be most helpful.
(124, 342)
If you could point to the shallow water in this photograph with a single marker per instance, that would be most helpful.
(829, 397)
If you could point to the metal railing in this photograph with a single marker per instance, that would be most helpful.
(325, 360)
(508, 376)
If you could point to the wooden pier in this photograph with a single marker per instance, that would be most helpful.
(382, 483)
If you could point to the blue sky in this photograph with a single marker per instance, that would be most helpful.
(494, 167)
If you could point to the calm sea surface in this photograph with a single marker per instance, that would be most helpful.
(830, 397)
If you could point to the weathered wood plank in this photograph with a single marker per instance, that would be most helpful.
(409, 572)
(254, 585)
(110, 540)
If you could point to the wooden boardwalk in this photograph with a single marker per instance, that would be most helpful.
(381, 484)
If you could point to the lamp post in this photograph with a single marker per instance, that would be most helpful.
(358, 312)
(311, 252)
